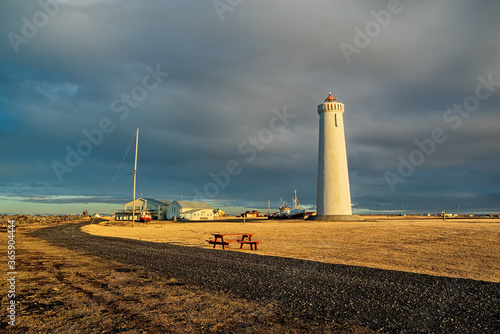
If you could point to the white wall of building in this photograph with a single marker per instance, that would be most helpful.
(189, 210)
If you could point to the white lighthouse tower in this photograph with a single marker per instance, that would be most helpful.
(333, 197)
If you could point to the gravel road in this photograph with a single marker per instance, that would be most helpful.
(391, 301)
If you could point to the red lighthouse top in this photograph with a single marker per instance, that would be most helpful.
(330, 98)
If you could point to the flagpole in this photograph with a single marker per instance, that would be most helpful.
(135, 175)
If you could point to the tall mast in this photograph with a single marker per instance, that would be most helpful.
(135, 175)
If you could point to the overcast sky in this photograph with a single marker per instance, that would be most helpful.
(233, 86)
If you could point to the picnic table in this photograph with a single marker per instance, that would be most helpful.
(245, 239)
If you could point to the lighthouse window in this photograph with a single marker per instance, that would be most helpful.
(336, 120)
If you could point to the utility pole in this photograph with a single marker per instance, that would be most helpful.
(135, 175)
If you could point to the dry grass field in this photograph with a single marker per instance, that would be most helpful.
(64, 291)
(466, 248)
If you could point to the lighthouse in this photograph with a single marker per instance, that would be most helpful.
(333, 201)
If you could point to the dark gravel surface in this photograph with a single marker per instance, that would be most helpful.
(391, 301)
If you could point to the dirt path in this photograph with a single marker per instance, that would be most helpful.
(391, 301)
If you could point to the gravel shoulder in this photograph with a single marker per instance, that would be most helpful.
(390, 301)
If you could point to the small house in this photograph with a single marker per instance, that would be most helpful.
(187, 210)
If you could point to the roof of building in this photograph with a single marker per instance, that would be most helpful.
(150, 200)
(158, 201)
(197, 205)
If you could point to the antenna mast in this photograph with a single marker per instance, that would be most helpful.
(135, 175)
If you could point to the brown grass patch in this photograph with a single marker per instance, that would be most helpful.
(466, 248)
(65, 291)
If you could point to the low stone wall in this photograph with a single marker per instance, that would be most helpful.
(39, 219)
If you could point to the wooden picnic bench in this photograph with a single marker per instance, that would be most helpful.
(245, 239)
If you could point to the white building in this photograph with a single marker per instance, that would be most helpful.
(156, 207)
(190, 210)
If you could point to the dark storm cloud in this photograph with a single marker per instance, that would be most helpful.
(224, 80)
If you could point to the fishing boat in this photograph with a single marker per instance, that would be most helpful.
(284, 210)
(145, 215)
(297, 212)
